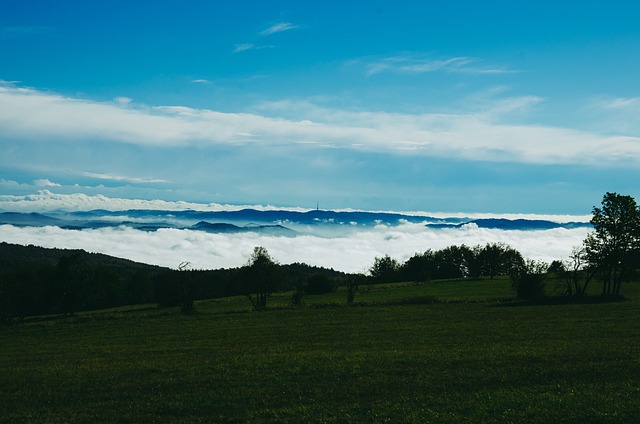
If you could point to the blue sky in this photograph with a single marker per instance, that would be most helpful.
(457, 106)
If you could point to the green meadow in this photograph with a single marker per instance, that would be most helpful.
(443, 352)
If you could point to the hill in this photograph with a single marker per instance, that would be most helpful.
(14, 256)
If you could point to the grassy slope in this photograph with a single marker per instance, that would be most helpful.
(446, 362)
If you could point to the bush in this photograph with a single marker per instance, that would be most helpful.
(529, 279)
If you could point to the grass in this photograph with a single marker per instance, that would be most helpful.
(460, 360)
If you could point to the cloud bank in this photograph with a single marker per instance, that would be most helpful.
(32, 115)
(354, 252)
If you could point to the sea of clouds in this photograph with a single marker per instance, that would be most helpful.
(345, 248)
(354, 251)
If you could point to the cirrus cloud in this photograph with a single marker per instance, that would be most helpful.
(279, 27)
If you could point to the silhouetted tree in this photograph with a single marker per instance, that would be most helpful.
(451, 262)
(354, 282)
(498, 259)
(260, 278)
(577, 273)
(187, 290)
(384, 270)
(614, 245)
(420, 267)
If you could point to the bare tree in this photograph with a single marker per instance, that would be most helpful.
(187, 292)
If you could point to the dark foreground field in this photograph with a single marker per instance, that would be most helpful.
(400, 359)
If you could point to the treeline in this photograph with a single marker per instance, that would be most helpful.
(490, 260)
(39, 281)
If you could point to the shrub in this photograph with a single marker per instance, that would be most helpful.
(529, 279)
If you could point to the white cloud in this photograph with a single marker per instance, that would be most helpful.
(111, 177)
(45, 183)
(201, 81)
(619, 114)
(621, 103)
(279, 27)
(28, 114)
(45, 200)
(243, 47)
(353, 252)
(412, 63)
(123, 100)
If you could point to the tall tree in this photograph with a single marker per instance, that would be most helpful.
(614, 245)
(498, 259)
(353, 283)
(187, 290)
(385, 270)
(260, 278)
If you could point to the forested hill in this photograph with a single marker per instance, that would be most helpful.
(14, 256)
(41, 281)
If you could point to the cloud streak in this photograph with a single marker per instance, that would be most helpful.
(45, 200)
(121, 178)
(29, 114)
(279, 27)
(414, 64)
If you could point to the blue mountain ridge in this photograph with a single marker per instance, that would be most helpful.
(271, 222)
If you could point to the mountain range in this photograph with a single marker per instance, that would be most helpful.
(272, 222)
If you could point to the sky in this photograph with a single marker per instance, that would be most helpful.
(456, 106)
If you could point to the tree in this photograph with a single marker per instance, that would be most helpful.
(354, 281)
(614, 245)
(384, 270)
(187, 291)
(260, 278)
(452, 262)
(577, 275)
(498, 259)
(420, 267)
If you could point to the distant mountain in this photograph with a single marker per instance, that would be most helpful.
(313, 217)
(222, 228)
(272, 222)
(514, 224)
(28, 219)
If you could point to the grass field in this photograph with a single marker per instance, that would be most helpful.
(399, 357)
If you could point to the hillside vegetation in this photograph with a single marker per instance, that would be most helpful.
(464, 334)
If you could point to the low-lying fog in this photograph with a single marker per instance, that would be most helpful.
(352, 251)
